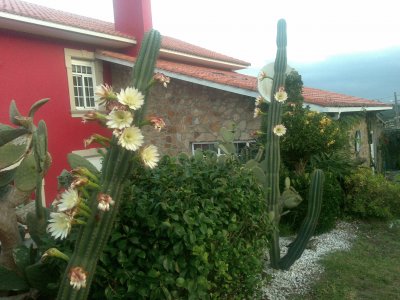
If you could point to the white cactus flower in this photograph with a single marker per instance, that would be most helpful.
(131, 97)
(131, 138)
(150, 156)
(60, 225)
(279, 130)
(119, 119)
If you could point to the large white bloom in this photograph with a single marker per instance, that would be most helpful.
(77, 277)
(119, 119)
(131, 97)
(69, 200)
(150, 156)
(60, 225)
(281, 96)
(131, 138)
(279, 130)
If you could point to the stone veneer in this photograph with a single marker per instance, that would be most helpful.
(364, 153)
(192, 113)
(195, 113)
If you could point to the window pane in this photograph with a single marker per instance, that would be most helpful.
(89, 92)
(83, 82)
(205, 147)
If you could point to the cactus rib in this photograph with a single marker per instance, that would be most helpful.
(117, 164)
(271, 167)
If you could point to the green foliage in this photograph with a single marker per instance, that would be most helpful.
(194, 228)
(389, 144)
(309, 133)
(309, 223)
(331, 209)
(371, 195)
(30, 274)
(294, 88)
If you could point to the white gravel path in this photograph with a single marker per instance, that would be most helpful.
(307, 268)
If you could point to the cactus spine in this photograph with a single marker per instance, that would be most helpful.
(117, 163)
(271, 165)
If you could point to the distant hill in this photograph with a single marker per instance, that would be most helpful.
(370, 75)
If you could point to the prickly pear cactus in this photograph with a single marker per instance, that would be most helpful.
(97, 212)
(24, 161)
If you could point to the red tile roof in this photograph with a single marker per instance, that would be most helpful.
(174, 44)
(214, 75)
(331, 99)
(30, 10)
(233, 79)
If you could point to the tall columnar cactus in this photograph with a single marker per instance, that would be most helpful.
(116, 166)
(267, 171)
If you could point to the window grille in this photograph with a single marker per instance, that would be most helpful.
(213, 146)
(83, 82)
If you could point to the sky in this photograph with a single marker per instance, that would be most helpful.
(317, 30)
(246, 30)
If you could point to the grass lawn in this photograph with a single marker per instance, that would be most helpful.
(371, 270)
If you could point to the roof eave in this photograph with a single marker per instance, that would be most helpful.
(183, 77)
(194, 59)
(342, 109)
(54, 30)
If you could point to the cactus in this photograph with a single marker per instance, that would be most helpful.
(267, 171)
(24, 161)
(116, 166)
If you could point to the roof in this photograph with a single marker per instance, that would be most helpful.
(174, 44)
(247, 85)
(171, 47)
(331, 99)
(197, 74)
(34, 11)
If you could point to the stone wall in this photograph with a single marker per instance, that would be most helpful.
(195, 113)
(364, 146)
(376, 128)
(192, 113)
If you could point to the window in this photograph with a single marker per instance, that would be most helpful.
(213, 146)
(83, 82)
(84, 73)
(357, 141)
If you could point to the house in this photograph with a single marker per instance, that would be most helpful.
(52, 54)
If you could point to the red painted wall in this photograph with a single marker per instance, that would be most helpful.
(33, 69)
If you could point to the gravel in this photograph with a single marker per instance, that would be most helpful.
(306, 269)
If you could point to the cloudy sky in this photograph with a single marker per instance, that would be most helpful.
(246, 29)
(321, 36)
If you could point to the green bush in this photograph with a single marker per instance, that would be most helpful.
(193, 228)
(309, 133)
(331, 209)
(371, 195)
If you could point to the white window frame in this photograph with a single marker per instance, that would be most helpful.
(215, 144)
(86, 90)
(86, 58)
